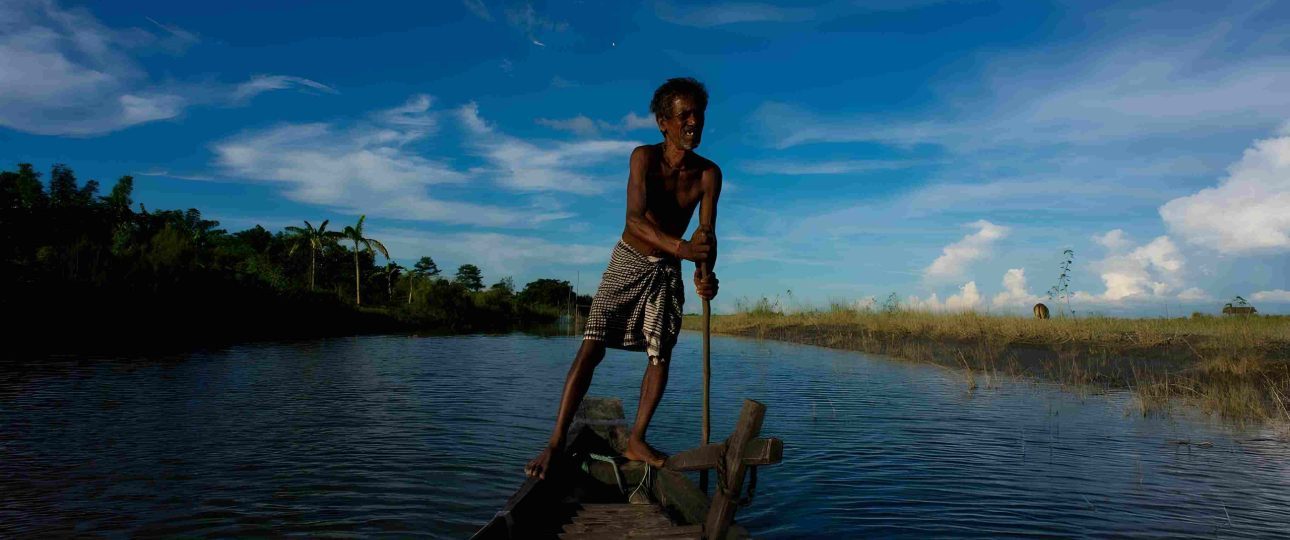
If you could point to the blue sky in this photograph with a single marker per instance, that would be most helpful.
(945, 151)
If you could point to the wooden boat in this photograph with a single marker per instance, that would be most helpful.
(597, 493)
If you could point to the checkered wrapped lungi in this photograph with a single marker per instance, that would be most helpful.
(638, 305)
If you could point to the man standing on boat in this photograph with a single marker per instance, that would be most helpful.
(638, 304)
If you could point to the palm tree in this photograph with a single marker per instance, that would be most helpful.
(355, 233)
(316, 239)
(392, 271)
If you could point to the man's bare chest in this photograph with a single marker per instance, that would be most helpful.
(671, 193)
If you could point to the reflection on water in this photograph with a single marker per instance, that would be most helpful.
(428, 435)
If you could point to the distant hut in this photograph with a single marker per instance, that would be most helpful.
(1238, 306)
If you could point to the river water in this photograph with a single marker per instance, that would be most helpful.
(428, 436)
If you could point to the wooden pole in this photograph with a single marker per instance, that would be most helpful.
(707, 375)
(726, 501)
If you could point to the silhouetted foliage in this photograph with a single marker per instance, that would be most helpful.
(506, 286)
(548, 292)
(391, 272)
(469, 276)
(116, 276)
(426, 267)
(421, 273)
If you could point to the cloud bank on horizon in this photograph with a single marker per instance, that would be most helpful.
(952, 165)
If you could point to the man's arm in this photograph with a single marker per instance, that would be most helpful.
(706, 285)
(708, 211)
(643, 228)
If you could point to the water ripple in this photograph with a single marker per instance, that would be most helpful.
(398, 436)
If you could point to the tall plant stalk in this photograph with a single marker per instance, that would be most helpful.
(1060, 293)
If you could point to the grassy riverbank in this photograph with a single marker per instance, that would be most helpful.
(1236, 367)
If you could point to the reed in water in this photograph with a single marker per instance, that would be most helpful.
(1236, 367)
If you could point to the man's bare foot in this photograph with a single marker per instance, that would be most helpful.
(542, 463)
(638, 450)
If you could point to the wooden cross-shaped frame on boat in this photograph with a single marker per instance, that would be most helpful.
(586, 497)
(731, 458)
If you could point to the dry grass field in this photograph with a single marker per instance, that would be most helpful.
(1236, 367)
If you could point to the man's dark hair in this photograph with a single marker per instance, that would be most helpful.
(661, 105)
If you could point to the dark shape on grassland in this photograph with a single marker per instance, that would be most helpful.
(1238, 306)
(1041, 311)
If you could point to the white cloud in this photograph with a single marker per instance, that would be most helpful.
(406, 123)
(478, 8)
(916, 211)
(179, 39)
(1114, 240)
(532, 23)
(1085, 303)
(468, 114)
(1014, 293)
(363, 168)
(62, 72)
(1032, 193)
(956, 257)
(1247, 213)
(1153, 269)
(967, 299)
(265, 83)
(1158, 84)
(1135, 81)
(1274, 295)
(727, 13)
(1194, 294)
(497, 255)
(1142, 85)
(865, 303)
(583, 126)
(931, 303)
(636, 121)
(542, 166)
(580, 125)
(740, 248)
(801, 168)
(181, 176)
(138, 109)
(785, 125)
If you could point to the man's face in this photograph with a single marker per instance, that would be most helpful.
(684, 128)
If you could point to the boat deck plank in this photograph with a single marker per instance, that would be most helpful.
(597, 521)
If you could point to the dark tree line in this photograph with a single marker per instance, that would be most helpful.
(89, 271)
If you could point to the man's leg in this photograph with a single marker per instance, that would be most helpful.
(575, 387)
(652, 386)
